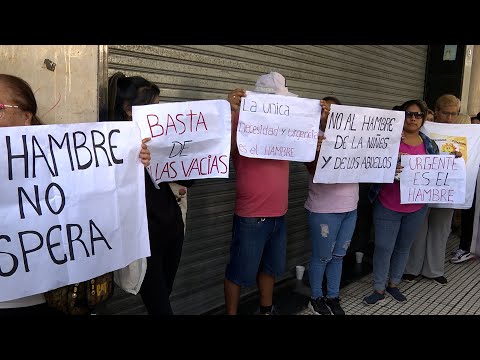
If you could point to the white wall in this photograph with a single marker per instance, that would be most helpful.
(474, 94)
(67, 95)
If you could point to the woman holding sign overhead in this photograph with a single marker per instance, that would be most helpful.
(396, 225)
(165, 223)
(18, 107)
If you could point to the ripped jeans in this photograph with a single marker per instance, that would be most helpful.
(330, 235)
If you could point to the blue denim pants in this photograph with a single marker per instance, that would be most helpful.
(394, 235)
(330, 235)
(258, 245)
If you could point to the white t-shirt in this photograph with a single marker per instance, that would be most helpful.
(23, 302)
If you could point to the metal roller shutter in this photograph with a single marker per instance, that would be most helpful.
(374, 76)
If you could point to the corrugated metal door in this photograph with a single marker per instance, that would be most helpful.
(375, 76)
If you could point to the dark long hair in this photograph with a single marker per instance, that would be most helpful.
(23, 95)
(333, 99)
(130, 91)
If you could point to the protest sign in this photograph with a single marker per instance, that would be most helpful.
(189, 140)
(361, 145)
(427, 179)
(278, 127)
(462, 138)
(72, 205)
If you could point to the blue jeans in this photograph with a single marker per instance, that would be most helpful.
(330, 235)
(394, 235)
(258, 245)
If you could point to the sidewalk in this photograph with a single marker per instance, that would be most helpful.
(461, 296)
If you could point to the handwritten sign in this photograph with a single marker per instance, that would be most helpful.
(190, 140)
(361, 145)
(458, 137)
(278, 127)
(72, 204)
(427, 179)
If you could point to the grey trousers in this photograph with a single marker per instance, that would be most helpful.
(427, 254)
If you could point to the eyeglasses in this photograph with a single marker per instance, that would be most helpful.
(452, 114)
(3, 106)
(417, 115)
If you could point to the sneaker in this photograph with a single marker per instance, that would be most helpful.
(273, 311)
(334, 306)
(319, 307)
(440, 280)
(396, 294)
(409, 277)
(461, 256)
(374, 298)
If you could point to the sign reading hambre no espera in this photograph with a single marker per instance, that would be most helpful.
(72, 204)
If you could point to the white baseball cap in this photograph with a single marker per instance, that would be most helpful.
(273, 83)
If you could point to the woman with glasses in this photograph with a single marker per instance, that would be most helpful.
(396, 224)
(427, 255)
(18, 107)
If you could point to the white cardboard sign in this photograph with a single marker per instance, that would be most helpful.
(458, 137)
(189, 140)
(427, 179)
(72, 204)
(361, 145)
(278, 127)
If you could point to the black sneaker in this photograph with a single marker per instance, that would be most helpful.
(440, 280)
(409, 277)
(396, 294)
(374, 298)
(273, 311)
(319, 307)
(334, 306)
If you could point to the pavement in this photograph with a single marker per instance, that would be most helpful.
(460, 296)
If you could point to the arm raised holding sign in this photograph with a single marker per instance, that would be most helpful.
(311, 166)
(145, 153)
(235, 98)
(259, 216)
(332, 214)
(165, 222)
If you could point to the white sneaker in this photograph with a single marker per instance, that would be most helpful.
(461, 256)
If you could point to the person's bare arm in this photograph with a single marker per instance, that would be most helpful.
(312, 165)
(145, 153)
(234, 98)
